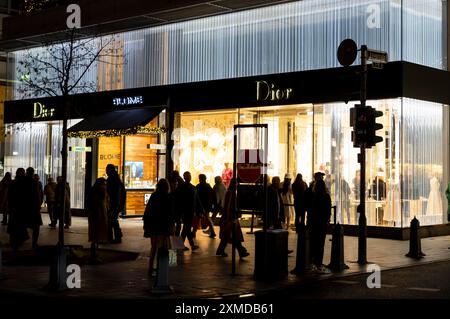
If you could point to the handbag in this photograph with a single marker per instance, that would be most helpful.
(175, 243)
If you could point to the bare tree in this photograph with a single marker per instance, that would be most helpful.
(61, 68)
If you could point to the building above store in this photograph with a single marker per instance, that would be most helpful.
(109, 16)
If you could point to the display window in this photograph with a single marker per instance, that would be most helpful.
(404, 173)
(138, 159)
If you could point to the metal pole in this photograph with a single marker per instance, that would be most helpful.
(362, 225)
(233, 213)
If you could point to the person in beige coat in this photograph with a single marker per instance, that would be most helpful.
(97, 208)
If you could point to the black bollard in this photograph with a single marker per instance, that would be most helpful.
(162, 274)
(415, 247)
(58, 270)
(302, 262)
(337, 262)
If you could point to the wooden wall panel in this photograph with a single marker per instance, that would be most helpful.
(135, 202)
(109, 151)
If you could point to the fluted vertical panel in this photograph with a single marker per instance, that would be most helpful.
(296, 36)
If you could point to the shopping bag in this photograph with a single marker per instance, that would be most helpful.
(176, 243)
(172, 257)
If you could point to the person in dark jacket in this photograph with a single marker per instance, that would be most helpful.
(275, 212)
(4, 187)
(175, 182)
(17, 207)
(318, 220)
(34, 194)
(299, 188)
(159, 220)
(116, 193)
(188, 200)
(206, 197)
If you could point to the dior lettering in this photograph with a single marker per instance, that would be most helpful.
(40, 111)
(266, 91)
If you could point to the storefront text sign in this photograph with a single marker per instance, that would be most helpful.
(109, 156)
(128, 100)
(40, 111)
(266, 91)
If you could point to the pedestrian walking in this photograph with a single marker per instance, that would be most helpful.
(287, 198)
(318, 220)
(299, 188)
(206, 197)
(4, 187)
(274, 205)
(175, 182)
(34, 195)
(159, 221)
(50, 200)
(117, 194)
(188, 200)
(63, 202)
(98, 224)
(219, 197)
(17, 207)
(226, 225)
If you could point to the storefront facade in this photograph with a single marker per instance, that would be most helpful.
(273, 65)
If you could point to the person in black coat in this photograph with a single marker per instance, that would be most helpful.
(188, 201)
(275, 212)
(175, 182)
(206, 197)
(17, 207)
(159, 219)
(299, 188)
(116, 193)
(318, 220)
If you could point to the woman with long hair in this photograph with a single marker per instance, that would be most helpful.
(159, 220)
(299, 188)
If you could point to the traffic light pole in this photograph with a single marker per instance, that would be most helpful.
(362, 222)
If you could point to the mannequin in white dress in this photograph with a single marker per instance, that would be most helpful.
(434, 206)
(392, 209)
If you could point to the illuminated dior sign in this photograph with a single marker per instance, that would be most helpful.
(266, 91)
(128, 100)
(40, 111)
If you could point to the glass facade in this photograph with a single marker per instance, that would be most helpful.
(404, 173)
(138, 160)
(38, 145)
(297, 36)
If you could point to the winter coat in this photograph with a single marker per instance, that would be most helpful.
(97, 209)
(159, 215)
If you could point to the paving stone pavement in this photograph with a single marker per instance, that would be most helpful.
(199, 274)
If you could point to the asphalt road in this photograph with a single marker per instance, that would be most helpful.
(428, 281)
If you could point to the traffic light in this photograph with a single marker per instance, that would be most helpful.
(363, 121)
(372, 138)
(360, 121)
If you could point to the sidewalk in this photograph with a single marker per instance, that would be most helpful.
(199, 274)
